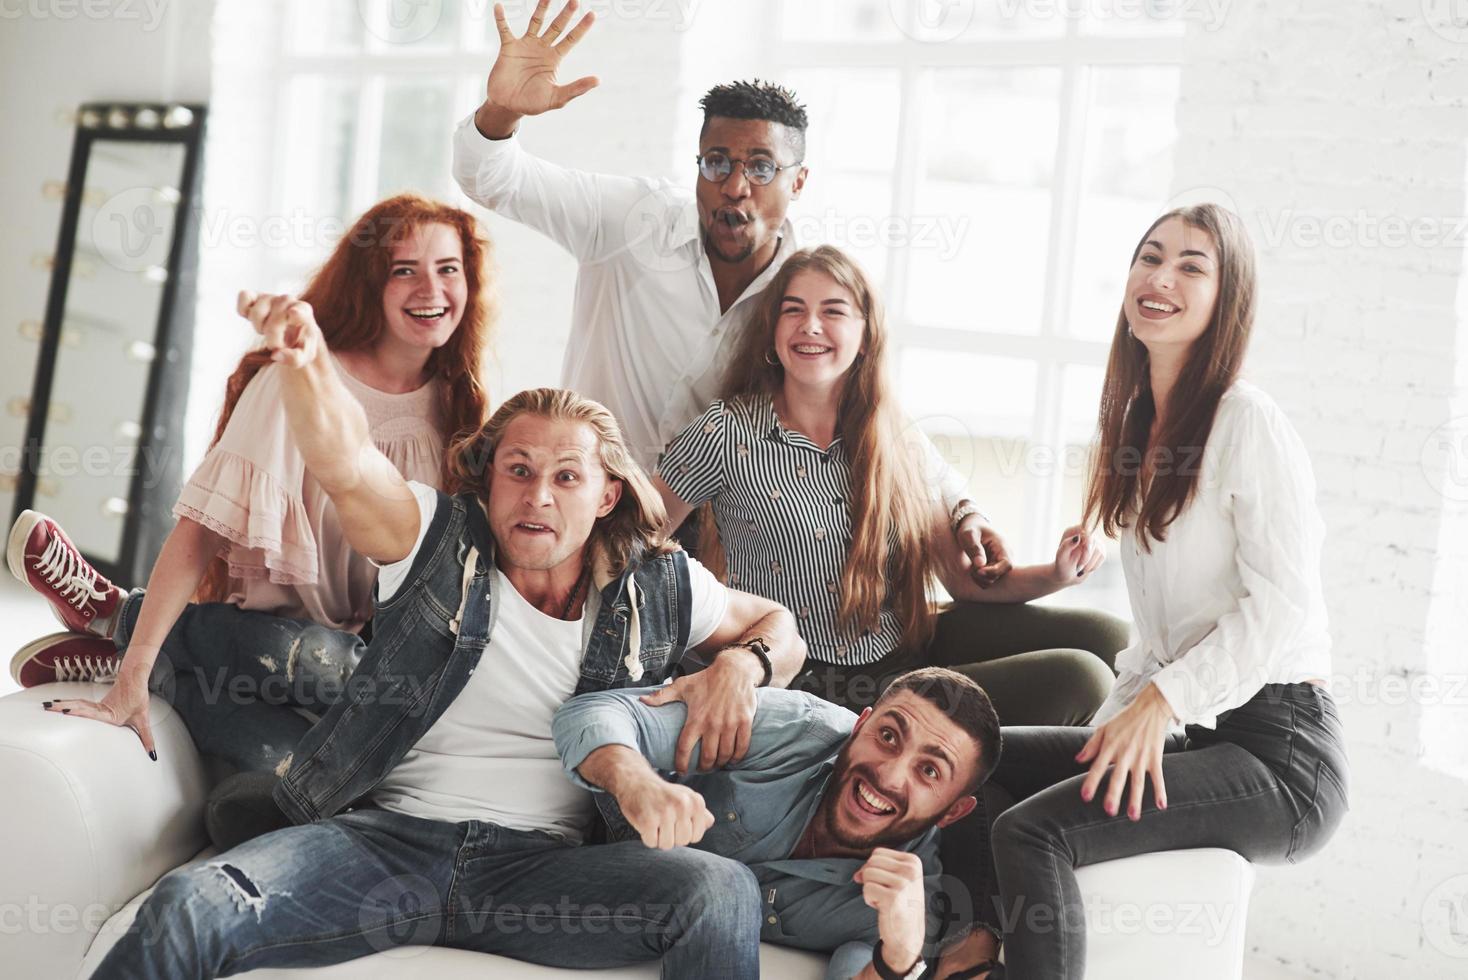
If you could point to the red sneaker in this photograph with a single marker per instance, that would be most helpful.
(65, 657)
(42, 556)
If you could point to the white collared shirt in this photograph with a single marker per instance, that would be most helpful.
(646, 330)
(1232, 599)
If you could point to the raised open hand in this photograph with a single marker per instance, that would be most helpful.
(522, 81)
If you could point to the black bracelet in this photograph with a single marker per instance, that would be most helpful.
(757, 646)
(887, 973)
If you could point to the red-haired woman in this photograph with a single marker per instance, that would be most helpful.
(405, 306)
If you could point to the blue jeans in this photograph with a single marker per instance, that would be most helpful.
(1270, 782)
(371, 880)
(235, 677)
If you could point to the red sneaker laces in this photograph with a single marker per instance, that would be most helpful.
(66, 571)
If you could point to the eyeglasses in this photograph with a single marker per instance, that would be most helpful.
(716, 168)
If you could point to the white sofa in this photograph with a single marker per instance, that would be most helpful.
(89, 824)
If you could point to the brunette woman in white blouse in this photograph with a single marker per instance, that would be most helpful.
(1211, 494)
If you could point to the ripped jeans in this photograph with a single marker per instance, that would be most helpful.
(369, 880)
(236, 677)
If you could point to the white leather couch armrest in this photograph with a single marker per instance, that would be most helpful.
(88, 822)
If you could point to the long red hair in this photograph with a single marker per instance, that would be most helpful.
(346, 296)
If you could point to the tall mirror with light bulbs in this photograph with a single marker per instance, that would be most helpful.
(103, 445)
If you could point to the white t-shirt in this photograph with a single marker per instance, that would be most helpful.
(490, 755)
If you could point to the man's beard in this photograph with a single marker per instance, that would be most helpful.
(893, 835)
(708, 246)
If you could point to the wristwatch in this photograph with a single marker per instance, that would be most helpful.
(757, 646)
(887, 973)
(966, 508)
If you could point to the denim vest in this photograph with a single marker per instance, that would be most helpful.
(428, 637)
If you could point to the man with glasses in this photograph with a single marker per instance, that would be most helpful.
(666, 276)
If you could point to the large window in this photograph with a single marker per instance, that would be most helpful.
(990, 162)
(993, 165)
(370, 92)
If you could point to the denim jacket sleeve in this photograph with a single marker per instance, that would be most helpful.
(788, 727)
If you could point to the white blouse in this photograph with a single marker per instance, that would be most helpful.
(1232, 599)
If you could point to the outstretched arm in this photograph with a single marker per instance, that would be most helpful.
(1075, 560)
(588, 214)
(176, 575)
(374, 503)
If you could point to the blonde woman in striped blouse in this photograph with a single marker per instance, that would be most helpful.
(822, 500)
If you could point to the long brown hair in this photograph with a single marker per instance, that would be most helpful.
(1114, 493)
(346, 296)
(890, 555)
(632, 531)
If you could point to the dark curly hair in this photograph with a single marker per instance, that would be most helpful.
(965, 703)
(758, 100)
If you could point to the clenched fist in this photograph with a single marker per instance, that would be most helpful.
(665, 814)
(287, 325)
(892, 883)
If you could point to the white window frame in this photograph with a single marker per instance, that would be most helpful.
(465, 65)
(1075, 54)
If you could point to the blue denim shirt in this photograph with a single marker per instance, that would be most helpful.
(761, 806)
(427, 639)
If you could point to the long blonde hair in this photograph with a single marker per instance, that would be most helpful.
(633, 531)
(890, 554)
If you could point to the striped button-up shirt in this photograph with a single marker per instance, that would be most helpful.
(782, 505)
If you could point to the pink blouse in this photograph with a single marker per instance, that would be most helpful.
(287, 554)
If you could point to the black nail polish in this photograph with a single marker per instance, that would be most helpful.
(66, 711)
(1075, 538)
(47, 704)
(153, 755)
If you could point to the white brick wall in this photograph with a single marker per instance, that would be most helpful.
(1330, 125)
